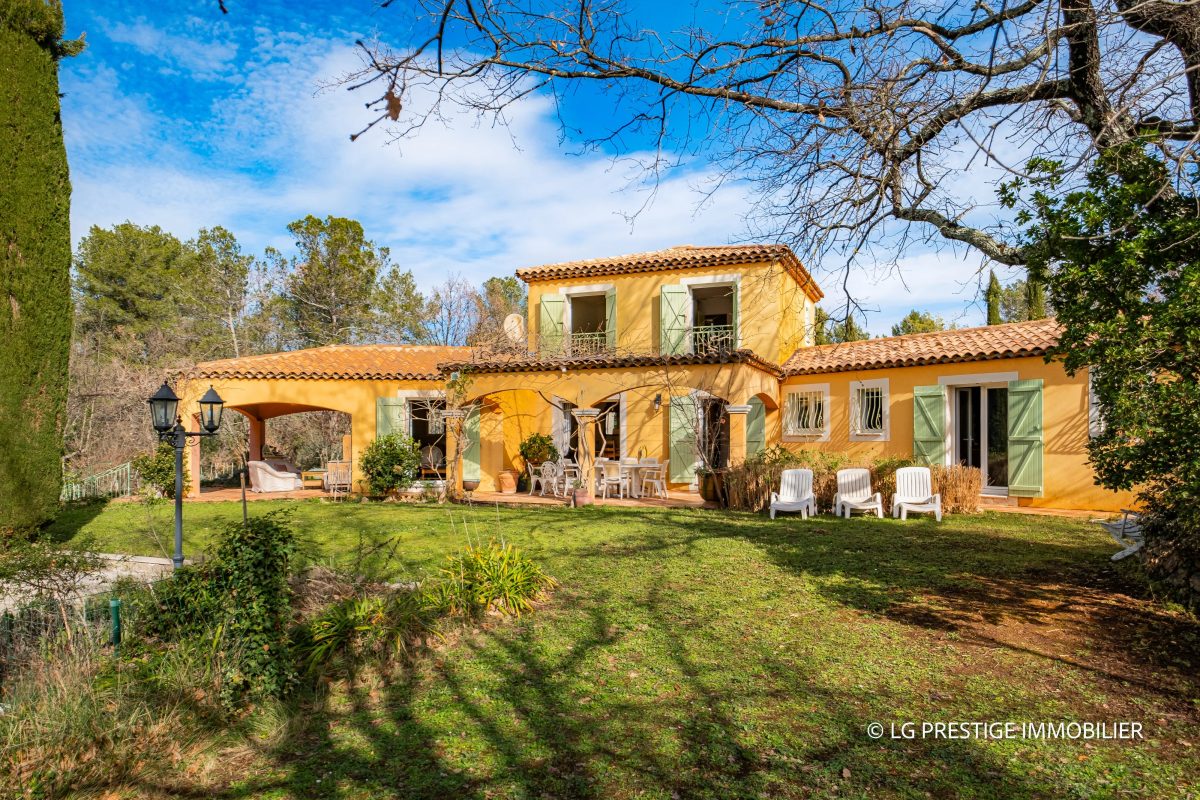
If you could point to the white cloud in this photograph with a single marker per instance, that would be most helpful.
(466, 198)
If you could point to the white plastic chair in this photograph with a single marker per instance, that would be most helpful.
(568, 474)
(614, 477)
(653, 476)
(795, 493)
(854, 493)
(914, 492)
(1126, 532)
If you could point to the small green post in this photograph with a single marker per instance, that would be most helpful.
(114, 608)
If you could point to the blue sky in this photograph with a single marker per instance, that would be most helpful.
(179, 116)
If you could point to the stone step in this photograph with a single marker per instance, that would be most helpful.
(997, 500)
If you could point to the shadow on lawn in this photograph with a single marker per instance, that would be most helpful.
(1049, 593)
(551, 730)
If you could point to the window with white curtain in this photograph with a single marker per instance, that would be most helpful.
(806, 411)
(869, 409)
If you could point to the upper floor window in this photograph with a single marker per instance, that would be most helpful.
(579, 321)
(699, 315)
(806, 411)
(869, 409)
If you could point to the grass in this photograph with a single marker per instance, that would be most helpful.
(695, 654)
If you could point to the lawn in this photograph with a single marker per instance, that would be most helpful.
(691, 653)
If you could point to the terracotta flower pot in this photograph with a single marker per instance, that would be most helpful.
(508, 481)
(470, 486)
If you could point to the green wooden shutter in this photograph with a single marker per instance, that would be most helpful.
(737, 333)
(470, 449)
(1025, 438)
(683, 439)
(610, 318)
(391, 416)
(550, 322)
(673, 303)
(756, 427)
(929, 425)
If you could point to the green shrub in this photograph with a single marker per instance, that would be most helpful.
(538, 448)
(242, 601)
(345, 633)
(391, 462)
(157, 470)
(496, 577)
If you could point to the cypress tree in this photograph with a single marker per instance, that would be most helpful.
(35, 260)
(994, 292)
(1035, 299)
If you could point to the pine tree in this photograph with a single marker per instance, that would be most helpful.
(35, 262)
(994, 293)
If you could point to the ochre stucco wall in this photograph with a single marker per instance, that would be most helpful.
(268, 398)
(514, 405)
(772, 316)
(1068, 479)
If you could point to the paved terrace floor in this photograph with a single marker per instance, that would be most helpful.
(673, 499)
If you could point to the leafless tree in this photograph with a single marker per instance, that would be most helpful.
(851, 116)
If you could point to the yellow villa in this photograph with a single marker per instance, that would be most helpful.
(695, 356)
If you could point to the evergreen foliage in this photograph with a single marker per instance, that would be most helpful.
(994, 293)
(35, 261)
(1121, 259)
(918, 322)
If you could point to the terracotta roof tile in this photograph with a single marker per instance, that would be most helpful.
(346, 362)
(1013, 340)
(679, 257)
(524, 364)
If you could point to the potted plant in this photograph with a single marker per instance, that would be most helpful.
(537, 449)
(712, 484)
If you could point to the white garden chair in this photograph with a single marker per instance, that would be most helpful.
(1127, 532)
(795, 493)
(540, 477)
(613, 477)
(914, 492)
(654, 481)
(854, 493)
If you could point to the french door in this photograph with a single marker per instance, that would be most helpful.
(981, 433)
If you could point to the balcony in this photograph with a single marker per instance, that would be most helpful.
(705, 339)
(591, 343)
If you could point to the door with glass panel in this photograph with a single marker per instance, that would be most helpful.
(981, 433)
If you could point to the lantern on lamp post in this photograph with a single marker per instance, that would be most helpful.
(164, 416)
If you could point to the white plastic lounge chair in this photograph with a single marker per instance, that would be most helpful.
(914, 492)
(854, 493)
(1127, 532)
(267, 478)
(795, 493)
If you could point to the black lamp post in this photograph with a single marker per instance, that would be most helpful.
(164, 415)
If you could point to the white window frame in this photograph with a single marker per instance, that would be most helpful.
(858, 435)
(572, 292)
(807, 388)
(708, 281)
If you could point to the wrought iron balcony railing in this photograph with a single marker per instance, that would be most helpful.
(713, 339)
(588, 344)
